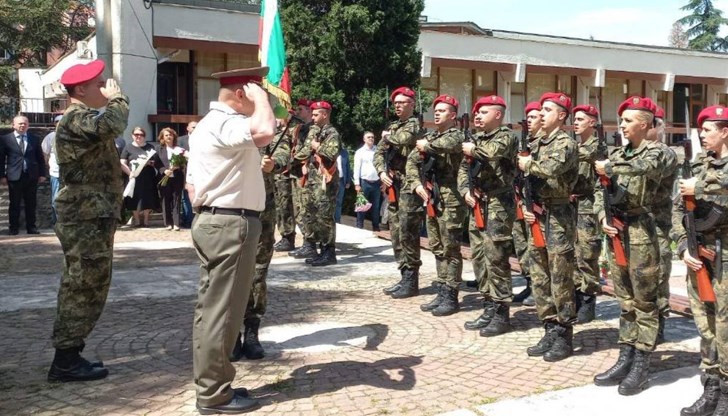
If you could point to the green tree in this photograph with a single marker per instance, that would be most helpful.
(351, 53)
(704, 24)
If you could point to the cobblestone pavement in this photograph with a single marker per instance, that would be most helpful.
(335, 344)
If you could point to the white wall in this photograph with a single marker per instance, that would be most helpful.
(184, 22)
(31, 90)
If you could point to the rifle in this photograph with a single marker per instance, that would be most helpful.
(429, 181)
(480, 209)
(269, 152)
(526, 192)
(307, 161)
(702, 277)
(620, 257)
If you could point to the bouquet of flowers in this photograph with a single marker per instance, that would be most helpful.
(178, 160)
(137, 165)
(362, 204)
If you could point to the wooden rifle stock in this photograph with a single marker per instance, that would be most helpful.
(539, 240)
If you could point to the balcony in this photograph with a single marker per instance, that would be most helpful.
(250, 6)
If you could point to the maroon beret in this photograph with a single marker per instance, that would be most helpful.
(447, 99)
(659, 112)
(533, 105)
(713, 113)
(241, 76)
(304, 102)
(637, 103)
(560, 99)
(406, 91)
(589, 110)
(489, 100)
(321, 105)
(80, 73)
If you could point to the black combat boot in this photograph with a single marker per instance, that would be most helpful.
(525, 293)
(501, 322)
(639, 375)
(434, 303)
(449, 304)
(708, 401)
(410, 284)
(616, 373)
(68, 365)
(484, 319)
(306, 251)
(391, 289)
(660, 330)
(327, 258)
(286, 243)
(722, 408)
(529, 301)
(237, 353)
(563, 346)
(251, 345)
(316, 257)
(587, 309)
(545, 343)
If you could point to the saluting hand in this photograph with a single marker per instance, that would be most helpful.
(687, 186)
(111, 88)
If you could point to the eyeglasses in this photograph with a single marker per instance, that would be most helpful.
(139, 135)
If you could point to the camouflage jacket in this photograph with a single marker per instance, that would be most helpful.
(281, 157)
(328, 151)
(401, 141)
(587, 179)
(635, 175)
(554, 167)
(710, 192)
(496, 151)
(447, 151)
(89, 164)
(662, 203)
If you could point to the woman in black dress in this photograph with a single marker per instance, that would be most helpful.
(171, 192)
(145, 198)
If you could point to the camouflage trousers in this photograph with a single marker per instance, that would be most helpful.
(300, 204)
(319, 215)
(521, 245)
(588, 249)
(711, 319)
(405, 220)
(552, 267)
(88, 252)
(258, 299)
(444, 233)
(663, 284)
(285, 210)
(491, 250)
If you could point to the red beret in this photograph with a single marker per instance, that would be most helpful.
(713, 113)
(489, 100)
(304, 102)
(406, 91)
(637, 103)
(659, 112)
(80, 73)
(560, 99)
(589, 110)
(533, 105)
(447, 99)
(241, 76)
(319, 105)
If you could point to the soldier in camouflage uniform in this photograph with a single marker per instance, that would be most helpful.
(276, 157)
(318, 155)
(635, 172)
(709, 187)
(405, 214)
(88, 208)
(486, 176)
(436, 185)
(662, 210)
(287, 190)
(588, 236)
(552, 169)
(520, 227)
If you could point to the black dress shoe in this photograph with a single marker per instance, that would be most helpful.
(13, 232)
(33, 231)
(238, 404)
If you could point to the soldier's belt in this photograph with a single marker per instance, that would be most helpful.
(229, 211)
(554, 201)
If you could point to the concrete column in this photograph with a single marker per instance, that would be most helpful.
(103, 20)
(505, 79)
(583, 88)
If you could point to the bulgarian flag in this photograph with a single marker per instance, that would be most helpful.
(272, 52)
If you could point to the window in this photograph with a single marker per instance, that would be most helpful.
(458, 82)
(538, 84)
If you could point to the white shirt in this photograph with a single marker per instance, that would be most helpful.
(224, 164)
(49, 148)
(364, 165)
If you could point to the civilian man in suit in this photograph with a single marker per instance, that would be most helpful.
(22, 167)
(345, 179)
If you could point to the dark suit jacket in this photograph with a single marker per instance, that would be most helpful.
(184, 142)
(11, 161)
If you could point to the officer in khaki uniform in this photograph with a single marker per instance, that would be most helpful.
(485, 180)
(552, 167)
(635, 172)
(224, 159)
(88, 208)
(405, 214)
(436, 185)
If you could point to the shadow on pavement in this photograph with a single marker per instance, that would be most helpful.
(375, 334)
